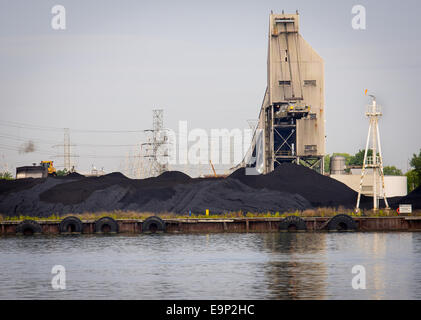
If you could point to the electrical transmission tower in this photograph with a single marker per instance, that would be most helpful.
(155, 151)
(66, 146)
(67, 155)
(375, 161)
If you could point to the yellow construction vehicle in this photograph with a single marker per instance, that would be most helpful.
(45, 169)
(49, 165)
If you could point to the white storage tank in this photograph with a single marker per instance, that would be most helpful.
(395, 186)
(337, 165)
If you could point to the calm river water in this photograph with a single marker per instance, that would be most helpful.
(213, 266)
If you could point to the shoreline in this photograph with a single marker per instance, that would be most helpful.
(221, 225)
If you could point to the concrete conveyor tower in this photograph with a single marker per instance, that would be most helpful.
(291, 119)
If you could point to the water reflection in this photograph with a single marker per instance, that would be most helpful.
(213, 266)
(292, 272)
(387, 258)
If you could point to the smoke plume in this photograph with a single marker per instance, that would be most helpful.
(27, 147)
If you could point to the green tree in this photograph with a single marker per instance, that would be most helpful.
(6, 175)
(414, 175)
(416, 164)
(392, 171)
(358, 158)
(412, 180)
(62, 172)
(327, 163)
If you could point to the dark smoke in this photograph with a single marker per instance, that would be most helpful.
(27, 147)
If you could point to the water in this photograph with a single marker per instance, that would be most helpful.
(213, 266)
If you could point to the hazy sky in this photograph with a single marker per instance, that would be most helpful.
(200, 61)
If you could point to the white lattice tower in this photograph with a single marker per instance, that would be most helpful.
(375, 161)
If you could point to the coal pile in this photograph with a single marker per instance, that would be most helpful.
(220, 196)
(25, 200)
(74, 175)
(171, 192)
(173, 177)
(80, 190)
(288, 187)
(10, 186)
(320, 190)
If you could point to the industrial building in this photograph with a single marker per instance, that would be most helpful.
(394, 186)
(291, 124)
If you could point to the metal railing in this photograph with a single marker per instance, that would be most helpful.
(370, 160)
(373, 110)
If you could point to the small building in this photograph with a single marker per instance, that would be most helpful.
(395, 186)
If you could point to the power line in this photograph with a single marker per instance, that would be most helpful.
(37, 127)
(26, 126)
(14, 148)
(47, 128)
(18, 138)
(44, 152)
(55, 142)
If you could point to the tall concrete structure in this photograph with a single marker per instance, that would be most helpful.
(291, 125)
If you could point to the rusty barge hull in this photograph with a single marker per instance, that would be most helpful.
(315, 224)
